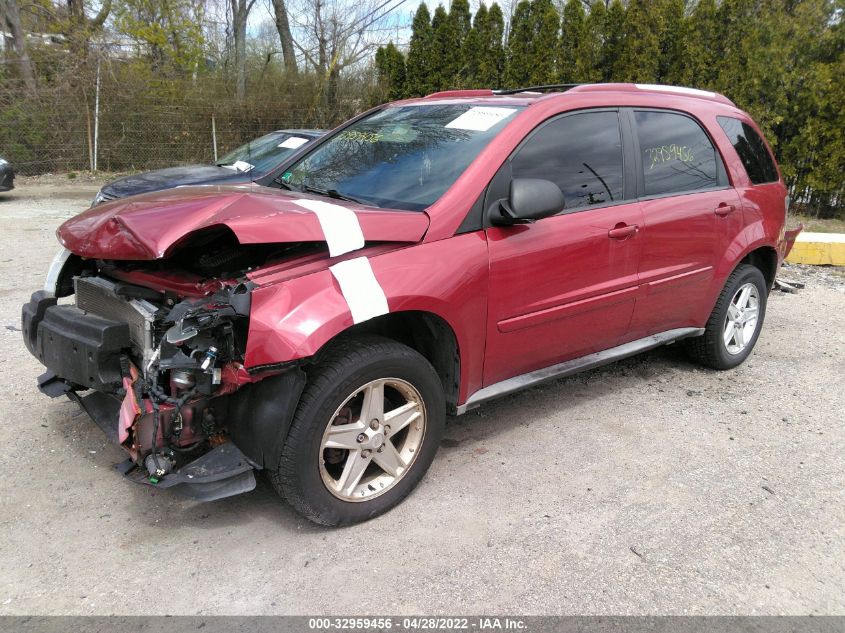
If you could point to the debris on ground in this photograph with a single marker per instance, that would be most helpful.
(794, 277)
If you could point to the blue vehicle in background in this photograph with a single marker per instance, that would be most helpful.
(245, 164)
(7, 175)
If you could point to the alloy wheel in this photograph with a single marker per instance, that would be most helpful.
(741, 320)
(372, 439)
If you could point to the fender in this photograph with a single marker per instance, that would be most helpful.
(752, 237)
(294, 319)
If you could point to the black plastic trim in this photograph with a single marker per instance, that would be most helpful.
(259, 415)
(81, 348)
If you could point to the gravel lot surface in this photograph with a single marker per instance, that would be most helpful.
(648, 487)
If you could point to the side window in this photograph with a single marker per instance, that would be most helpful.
(751, 149)
(581, 153)
(676, 153)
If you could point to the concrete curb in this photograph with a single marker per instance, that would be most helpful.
(819, 249)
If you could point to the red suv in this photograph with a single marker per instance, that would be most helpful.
(421, 259)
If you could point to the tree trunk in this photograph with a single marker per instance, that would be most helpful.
(283, 27)
(332, 90)
(240, 13)
(12, 21)
(79, 30)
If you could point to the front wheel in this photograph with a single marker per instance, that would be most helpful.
(734, 325)
(366, 430)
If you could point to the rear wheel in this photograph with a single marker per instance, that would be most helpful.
(366, 430)
(734, 325)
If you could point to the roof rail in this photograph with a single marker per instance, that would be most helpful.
(513, 91)
(661, 88)
(595, 87)
(484, 92)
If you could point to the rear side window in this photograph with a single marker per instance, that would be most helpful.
(751, 149)
(581, 153)
(677, 155)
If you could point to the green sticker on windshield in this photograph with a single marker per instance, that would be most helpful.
(287, 176)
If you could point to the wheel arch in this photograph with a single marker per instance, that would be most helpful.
(764, 258)
(424, 331)
(759, 253)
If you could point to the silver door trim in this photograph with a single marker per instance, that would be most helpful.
(566, 368)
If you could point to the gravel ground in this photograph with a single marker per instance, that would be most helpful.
(647, 487)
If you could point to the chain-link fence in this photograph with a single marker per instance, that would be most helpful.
(139, 123)
(134, 121)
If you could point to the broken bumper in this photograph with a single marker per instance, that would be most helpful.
(222, 472)
(789, 238)
(83, 351)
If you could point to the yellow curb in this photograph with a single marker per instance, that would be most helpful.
(818, 249)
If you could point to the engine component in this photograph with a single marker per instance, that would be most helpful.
(182, 380)
(158, 468)
(210, 358)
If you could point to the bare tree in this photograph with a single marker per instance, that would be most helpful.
(336, 34)
(10, 18)
(240, 14)
(79, 28)
(280, 13)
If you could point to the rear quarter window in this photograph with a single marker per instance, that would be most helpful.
(751, 149)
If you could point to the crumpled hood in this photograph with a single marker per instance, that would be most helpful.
(148, 226)
(174, 177)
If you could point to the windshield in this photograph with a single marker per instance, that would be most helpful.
(262, 154)
(402, 157)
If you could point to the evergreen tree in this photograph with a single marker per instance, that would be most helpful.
(639, 59)
(701, 32)
(591, 54)
(419, 66)
(545, 21)
(614, 37)
(491, 64)
(390, 65)
(518, 67)
(573, 29)
(743, 62)
(474, 50)
(446, 50)
(672, 53)
(813, 160)
(468, 76)
(460, 20)
(532, 43)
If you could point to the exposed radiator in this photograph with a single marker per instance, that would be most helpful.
(96, 295)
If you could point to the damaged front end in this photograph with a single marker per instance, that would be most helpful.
(178, 321)
(156, 360)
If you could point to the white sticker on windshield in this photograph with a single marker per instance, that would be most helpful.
(293, 142)
(480, 118)
(362, 291)
(339, 224)
(241, 165)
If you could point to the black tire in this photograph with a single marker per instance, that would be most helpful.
(342, 369)
(710, 348)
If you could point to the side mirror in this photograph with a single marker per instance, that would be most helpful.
(530, 199)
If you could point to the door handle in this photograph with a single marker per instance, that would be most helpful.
(622, 231)
(724, 209)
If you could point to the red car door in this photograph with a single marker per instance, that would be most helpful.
(565, 285)
(690, 214)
